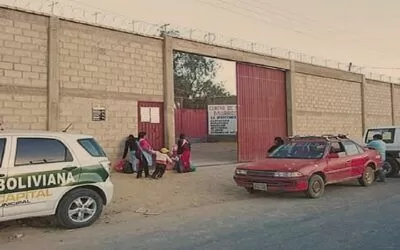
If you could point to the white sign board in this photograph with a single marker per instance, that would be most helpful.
(222, 120)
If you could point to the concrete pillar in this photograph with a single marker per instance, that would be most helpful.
(53, 79)
(392, 103)
(290, 102)
(363, 109)
(169, 97)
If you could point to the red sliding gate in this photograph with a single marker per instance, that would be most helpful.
(261, 98)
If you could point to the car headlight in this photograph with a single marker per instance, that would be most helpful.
(241, 172)
(288, 174)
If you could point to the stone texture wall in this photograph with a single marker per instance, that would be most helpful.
(378, 103)
(110, 69)
(325, 105)
(396, 106)
(23, 70)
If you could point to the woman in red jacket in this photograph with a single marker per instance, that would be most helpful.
(184, 152)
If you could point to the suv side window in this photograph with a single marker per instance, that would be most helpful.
(33, 151)
(2, 149)
(351, 148)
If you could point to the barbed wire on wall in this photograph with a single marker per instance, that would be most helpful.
(72, 9)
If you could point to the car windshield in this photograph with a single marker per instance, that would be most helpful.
(301, 150)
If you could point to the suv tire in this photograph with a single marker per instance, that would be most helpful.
(79, 208)
(368, 177)
(316, 187)
(394, 167)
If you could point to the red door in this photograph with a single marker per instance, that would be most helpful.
(151, 121)
(261, 98)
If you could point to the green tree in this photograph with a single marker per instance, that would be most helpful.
(194, 80)
(194, 77)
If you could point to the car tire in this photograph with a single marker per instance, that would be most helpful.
(316, 187)
(368, 177)
(251, 190)
(79, 208)
(394, 167)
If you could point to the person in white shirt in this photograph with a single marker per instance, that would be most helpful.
(162, 160)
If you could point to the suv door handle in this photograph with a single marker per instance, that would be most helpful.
(69, 168)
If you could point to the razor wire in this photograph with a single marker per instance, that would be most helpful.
(72, 10)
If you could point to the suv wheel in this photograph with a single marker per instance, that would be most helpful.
(368, 177)
(316, 187)
(391, 167)
(79, 208)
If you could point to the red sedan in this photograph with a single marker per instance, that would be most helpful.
(308, 164)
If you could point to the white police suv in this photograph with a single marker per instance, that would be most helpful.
(53, 173)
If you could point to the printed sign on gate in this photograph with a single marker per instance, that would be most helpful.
(222, 119)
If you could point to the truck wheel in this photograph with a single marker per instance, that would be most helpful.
(391, 167)
(316, 187)
(368, 177)
(79, 208)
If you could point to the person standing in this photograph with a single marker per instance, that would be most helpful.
(379, 145)
(147, 153)
(184, 149)
(130, 150)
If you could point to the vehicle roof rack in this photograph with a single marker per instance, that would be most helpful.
(316, 137)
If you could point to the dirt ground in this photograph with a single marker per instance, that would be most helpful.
(216, 153)
(146, 197)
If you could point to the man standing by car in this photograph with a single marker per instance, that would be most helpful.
(379, 145)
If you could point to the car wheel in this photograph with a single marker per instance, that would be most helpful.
(251, 190)
(316, 187)
(79, 208)
(368, 177)
(391, 167)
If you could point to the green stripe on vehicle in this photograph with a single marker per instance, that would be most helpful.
(53, 179)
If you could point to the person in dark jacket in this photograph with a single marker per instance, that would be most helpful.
(131, 150)
(278, 141)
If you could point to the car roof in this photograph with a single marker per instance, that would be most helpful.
(327, 137)
(43, 133)
(384, 127)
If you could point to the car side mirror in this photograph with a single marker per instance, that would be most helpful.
(333, 155)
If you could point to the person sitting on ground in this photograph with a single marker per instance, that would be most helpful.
(379, 145)
(131, 148)
(162, 160)
(278, 141)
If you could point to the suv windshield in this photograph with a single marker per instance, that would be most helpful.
(301, 150)
(387, 134)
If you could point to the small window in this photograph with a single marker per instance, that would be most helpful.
(2, 149)
(92, 147)
(32, 151)
(351, 148)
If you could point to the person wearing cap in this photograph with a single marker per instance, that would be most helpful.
(162, 160)
(379, 145)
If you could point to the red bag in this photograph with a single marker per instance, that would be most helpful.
(119, 166)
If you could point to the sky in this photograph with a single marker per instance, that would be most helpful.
(364, 32)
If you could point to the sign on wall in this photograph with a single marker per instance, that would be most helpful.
(98, 114)
(222, 120)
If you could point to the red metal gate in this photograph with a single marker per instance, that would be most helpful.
(261, 97)
(151, 121)
(191, 122)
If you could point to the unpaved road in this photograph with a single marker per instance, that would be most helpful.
(347, 217)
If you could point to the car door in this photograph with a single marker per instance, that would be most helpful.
(41, 169)
(5, 146)
(356, 158)
(336, 168)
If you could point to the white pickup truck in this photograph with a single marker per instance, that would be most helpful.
(391, 136)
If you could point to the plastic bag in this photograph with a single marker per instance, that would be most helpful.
(119, 166)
